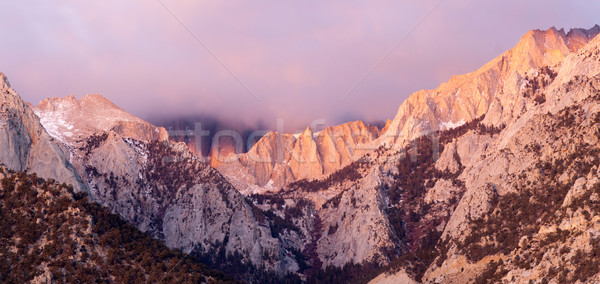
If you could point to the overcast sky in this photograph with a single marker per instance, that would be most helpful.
(254, 61)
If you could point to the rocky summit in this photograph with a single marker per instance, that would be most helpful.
(26, 144)
(493, 177)
(278, 159)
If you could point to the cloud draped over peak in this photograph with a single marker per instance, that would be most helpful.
(299, 57)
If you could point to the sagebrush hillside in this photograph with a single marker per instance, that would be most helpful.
(48, 234)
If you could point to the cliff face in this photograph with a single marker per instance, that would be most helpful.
(400, 199)
(278, 159)
(25, 144)
(490, 90)
(529, 188)
(162, 189)
(540, 173)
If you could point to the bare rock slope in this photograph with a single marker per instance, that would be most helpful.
(162, 188)
(528, 209)
(25, 144)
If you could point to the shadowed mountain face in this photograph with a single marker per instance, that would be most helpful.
(493, 176)
(199, 134)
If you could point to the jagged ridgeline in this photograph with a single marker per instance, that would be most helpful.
(49, 234)
(412, 234)
(491, 177)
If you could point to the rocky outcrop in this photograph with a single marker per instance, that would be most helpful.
(25, 144)
(278, 159)
(223, 150)
(393, 278)
(513, 186)
(419, 201)
(356, 228)
(163, 190)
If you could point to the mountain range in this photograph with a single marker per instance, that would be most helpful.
(491, 177)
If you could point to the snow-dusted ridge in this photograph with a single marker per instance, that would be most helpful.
(69, 119)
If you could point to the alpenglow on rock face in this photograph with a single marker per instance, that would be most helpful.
(492, 177)
(491, 90)
(278, 159)
(530, 188)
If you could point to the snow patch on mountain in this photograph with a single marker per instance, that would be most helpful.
(56, 123)
(69, 119)
(449, 124)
